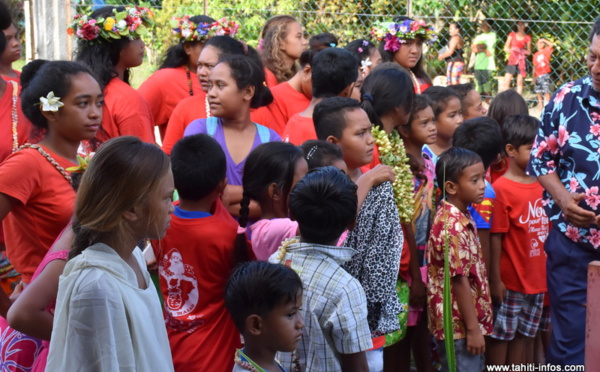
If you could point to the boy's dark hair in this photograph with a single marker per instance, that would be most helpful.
(329, 116)
(452, 163)
(388, 86)
(258, 287)
(440, 97)
(481, 135)
(420, 103)
(322, 41)
(333, 70)
(506, 104)
(324, 203)
(246, 72)
(176, 56)
(271, 162)
(320, 153)
(199, 165)
(462, 90)
(519, 130)
(595, 29)
(228, 45)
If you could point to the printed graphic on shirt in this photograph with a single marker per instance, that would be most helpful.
(537, 224)
(182, 285)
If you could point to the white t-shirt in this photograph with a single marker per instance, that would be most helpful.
(103, 321)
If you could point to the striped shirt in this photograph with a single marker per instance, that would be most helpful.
(334, 307)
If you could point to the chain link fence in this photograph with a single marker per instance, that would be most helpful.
(567, 23)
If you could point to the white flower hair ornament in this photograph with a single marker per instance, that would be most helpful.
(365, 64)
(51, 103)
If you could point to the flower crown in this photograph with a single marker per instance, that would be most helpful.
(189, 31)
(130, 23)
(395, 34)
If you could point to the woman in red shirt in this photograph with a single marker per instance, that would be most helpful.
(110, 48)
(518, 47)
(405, 47)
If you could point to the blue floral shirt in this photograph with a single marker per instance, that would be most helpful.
(568, 144)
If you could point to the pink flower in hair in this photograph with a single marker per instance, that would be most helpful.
(392, 44)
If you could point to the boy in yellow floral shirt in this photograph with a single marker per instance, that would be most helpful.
(461, 173)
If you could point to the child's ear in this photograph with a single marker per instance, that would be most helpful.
(274, 191)
(347, 92)
(511, 150)
(404, 130)
(254, 325)
(51, 116)
(249, 92)
(332, 139)
(451, 187)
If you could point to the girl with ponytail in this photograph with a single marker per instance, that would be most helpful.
(107, 314)
(270, 173)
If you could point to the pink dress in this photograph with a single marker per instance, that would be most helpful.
(18, 351)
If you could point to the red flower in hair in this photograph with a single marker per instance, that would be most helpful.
(89, 32)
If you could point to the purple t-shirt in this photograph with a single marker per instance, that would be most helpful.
(234, 171)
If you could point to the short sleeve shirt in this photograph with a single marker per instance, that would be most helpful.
(465, 258)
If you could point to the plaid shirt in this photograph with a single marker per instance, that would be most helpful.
(334, 307)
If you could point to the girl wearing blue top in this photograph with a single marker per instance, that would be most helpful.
(235, 86)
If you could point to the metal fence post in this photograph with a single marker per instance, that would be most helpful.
(46, 24)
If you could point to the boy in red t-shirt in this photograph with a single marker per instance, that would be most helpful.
(195, 259)
(542, 69)
(519, 230)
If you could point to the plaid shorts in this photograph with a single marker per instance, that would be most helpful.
(519, 312)
(542, 84)
(545, 322)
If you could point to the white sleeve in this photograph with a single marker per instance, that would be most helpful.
(91, 331)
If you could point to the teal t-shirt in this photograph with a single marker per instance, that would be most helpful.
(482, 61)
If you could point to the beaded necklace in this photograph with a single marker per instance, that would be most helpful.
(15, 116)
(189, 80)
(250, 365)
(415, 82)
(393, 153)
(50, 159)
(207, 106)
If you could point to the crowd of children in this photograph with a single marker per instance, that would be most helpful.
(395, 221)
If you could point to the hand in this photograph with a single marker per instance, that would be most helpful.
(475, 342)
(439, 57)
(380, 174)
(488, 53)
(498, 291)
(569, 204)
(16, 292)
(417, 296)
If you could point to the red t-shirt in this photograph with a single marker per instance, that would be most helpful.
(165, 88)
(192, 108)
(541, 62)
(23, 125)
(125, 113)
(270, 78)
(299, 130)
(195, 258)
(46, 202)
(520, 217)
(287, 102)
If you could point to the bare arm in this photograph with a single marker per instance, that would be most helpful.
(28, 314)
(497, 288)
(507, 44)
(232, 198)
(356, 362)
(451, 47)
(567, 201)
(528, 48)
(6, 205)
(466, 307)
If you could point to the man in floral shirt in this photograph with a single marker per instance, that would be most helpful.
(566, 160)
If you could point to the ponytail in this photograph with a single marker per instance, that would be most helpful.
(240, 251)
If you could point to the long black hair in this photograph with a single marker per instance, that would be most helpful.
(176, 55)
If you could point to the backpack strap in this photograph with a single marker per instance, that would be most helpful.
(263, 133)
(211, 125)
